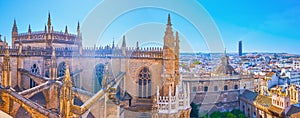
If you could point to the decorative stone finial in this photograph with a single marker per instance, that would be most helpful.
(169, 20)
(15, 28)
(29, 29)
(124, 42)
(66, 30)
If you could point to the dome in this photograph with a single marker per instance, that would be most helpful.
(225, 68)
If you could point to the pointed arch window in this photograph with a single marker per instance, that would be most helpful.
(34, 70)
(205, 88)
(144, 83)
(61, 69)
(99, 70)
(225, 88)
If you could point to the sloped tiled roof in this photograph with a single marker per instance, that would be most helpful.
(292, 110)
(264, 101)
(249, 95)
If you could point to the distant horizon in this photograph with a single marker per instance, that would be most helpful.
(237, 53)
(262, 26)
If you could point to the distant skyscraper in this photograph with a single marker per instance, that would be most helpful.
(240, 48)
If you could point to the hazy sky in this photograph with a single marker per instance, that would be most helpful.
(263, 26)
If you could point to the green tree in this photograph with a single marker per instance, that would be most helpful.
(231, 115)
(236, 112)
(194, 111)
(241, 115)
(215, 114)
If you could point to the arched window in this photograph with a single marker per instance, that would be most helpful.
(194, 89)
(225, 88)
(34, 70)
(205, 88)
(216, 88)
(236, 87)
(99, 70)
(248, 111)
(61, 69)
(144, 83)
(47, 73)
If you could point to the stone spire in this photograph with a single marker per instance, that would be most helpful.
(53, 66)
(15, 28)
(224, 67)
(66, 95)
(66, 30)
(78, 28)
(49, 22)
(5, 40)
(45, 29)
(169, 20)
(137, 45)
(14, 34)
(29, 32)
(67, 80)
(29, 29)
(169, 36)
(124, 42)
(169, 59)
(113, 45)
(124, 46)
(6, 71)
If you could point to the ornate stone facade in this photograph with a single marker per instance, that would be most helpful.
(106, 81)
(219, 90)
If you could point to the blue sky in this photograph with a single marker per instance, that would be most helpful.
(263, 26)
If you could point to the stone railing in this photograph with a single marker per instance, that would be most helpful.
(173, 104)
(149, 53)
(198, 77)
